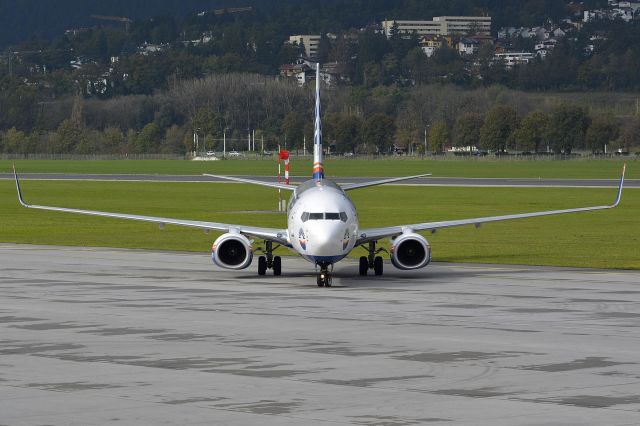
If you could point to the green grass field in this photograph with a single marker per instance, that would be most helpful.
(606, 239)
(453, 167)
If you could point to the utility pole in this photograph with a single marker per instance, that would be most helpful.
(262, 142)
(249, 140)
(304, 144)
(254, 139)
(224, 143)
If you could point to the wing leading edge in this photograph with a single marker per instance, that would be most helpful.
(253, 182)
(350, 186)
(378, 233)
(276, 235)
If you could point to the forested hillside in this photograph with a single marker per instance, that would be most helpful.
(72, 84)
(22, 20)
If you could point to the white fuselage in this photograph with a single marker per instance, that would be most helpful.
(322, 222)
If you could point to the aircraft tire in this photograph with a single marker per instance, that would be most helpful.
(262, 265)
(378, 265)
(363, 266)
(277, 265)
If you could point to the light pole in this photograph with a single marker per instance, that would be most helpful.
(224, 142)
(197, 140)
(425, 140)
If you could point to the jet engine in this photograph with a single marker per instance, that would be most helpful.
(232, 251)
(410, 251)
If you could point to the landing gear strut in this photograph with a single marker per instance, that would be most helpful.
(269, 261)
(371, 261)
(324, 277)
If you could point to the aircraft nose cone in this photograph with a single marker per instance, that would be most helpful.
(326, 239)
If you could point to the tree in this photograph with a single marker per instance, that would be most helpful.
(206, 122)
(113, 140)
(438, 136)
(497, 131)
(567, 127)
(148, 140)
(293, 129)
(630, 134)
(15, 142)
(378, 130)
(347, 133)
(531, 135)
(602, 131)
(69, 135)
(467, 130)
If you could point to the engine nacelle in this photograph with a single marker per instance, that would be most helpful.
(410, 251)
(232, 251)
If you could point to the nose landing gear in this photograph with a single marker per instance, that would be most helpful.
(324, 278)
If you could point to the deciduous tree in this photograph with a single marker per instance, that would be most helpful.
(602, 131)
(532, 133)
(467, 130)
(378, 130)
(567, 127)
(497, 131)
(438, 136)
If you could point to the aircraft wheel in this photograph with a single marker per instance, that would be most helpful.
(324, 280)
(364, 266)
(277, 265)
(262, 265)
(378, 265)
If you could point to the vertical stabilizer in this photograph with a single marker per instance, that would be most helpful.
(318, 167)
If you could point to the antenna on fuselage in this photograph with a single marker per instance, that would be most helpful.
(318, 167)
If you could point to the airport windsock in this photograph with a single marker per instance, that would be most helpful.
(284, 156)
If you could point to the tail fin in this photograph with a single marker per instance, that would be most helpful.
(318, 167)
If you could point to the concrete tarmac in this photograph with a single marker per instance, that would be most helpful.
(107, 336)
(430, 181)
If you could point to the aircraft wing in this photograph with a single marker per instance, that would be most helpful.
(350, 186)
(254, 182)
(374, 234)
(277, 235)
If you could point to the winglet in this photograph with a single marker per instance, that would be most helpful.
(18, 188)
(619, 197)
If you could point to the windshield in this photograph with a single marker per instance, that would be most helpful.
(324, 216)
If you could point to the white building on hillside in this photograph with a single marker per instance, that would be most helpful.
(441, 25)
(309, 41)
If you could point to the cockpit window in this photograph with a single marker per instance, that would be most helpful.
(326, 216)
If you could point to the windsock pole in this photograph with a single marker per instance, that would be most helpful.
(283, 155)
(279, 181)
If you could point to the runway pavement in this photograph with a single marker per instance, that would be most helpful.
(98, 336)
(431, 181)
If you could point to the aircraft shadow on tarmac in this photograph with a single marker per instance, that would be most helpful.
(347, 276)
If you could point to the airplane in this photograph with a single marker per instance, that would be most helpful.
(322, 224)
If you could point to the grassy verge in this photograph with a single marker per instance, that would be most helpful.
(483, 167)
(607, 239)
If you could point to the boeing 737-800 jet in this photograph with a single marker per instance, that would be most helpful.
(322, 225)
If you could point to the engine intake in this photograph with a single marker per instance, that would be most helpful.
(410, 251)
(232, 251)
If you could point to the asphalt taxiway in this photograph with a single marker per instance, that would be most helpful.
(95, 336)
(429, 181)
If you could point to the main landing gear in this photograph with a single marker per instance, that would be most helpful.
(371, 261)
(269, 261)
(324, 277)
